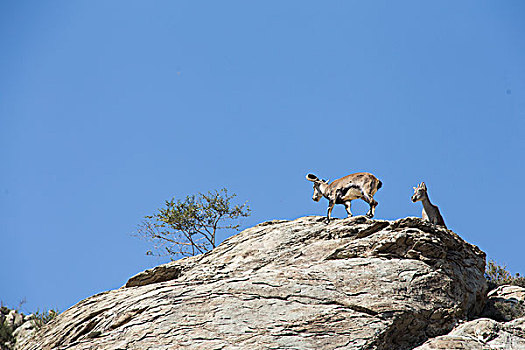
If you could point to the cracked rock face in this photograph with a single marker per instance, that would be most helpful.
(355, 283)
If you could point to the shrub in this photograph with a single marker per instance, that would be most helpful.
(6, 336)
(41, 318)
(498, 275)
(503, 310)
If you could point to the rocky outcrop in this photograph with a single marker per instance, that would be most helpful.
(355, 283)
(15, 327)
(481, 334)
(505, 303)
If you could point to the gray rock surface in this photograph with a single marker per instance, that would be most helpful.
(25, 331)
(355, 283)
(14, 319)
(481, 334)
(14, 326)
(508, 292)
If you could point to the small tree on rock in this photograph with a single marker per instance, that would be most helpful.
(498, 275)
(189, 227)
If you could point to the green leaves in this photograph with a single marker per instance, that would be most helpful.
(188, 227)
(498, 275)
(41, 318)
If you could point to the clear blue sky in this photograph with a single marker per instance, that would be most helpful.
(108, 108)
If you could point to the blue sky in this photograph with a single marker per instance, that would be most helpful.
(108, 108)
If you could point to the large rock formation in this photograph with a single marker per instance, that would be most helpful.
(352, 284)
